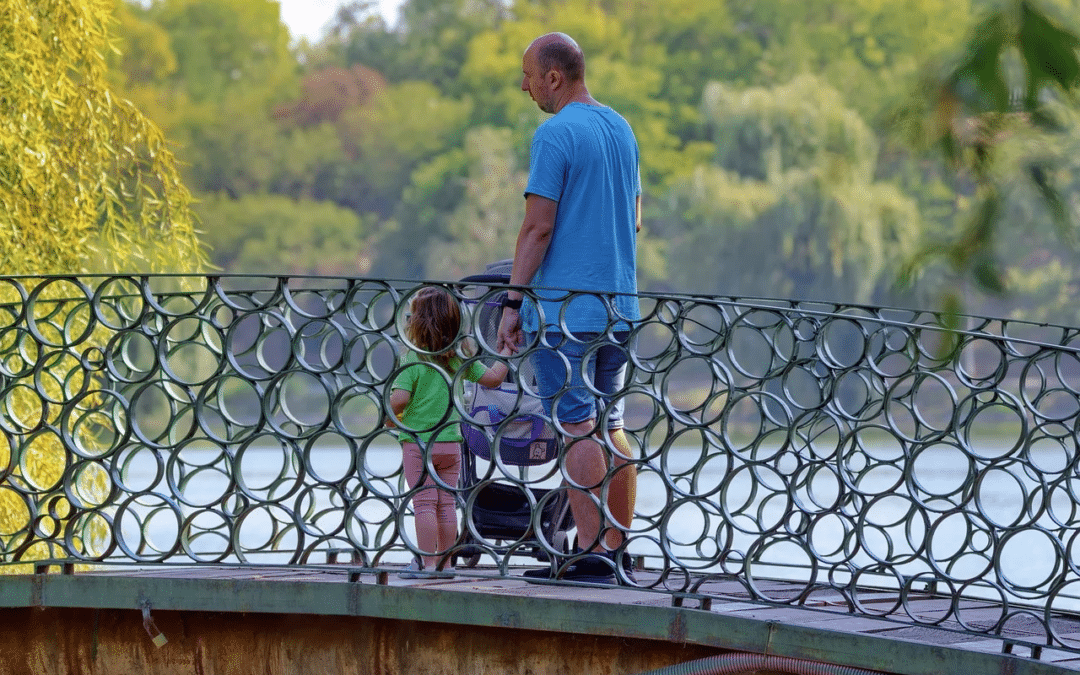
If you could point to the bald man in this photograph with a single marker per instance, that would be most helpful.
(582, 214)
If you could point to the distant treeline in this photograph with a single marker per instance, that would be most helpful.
(773, 160)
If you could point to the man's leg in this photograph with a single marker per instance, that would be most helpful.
(621, 489)
(560, 385)
(594, 491)
(586, 467)
(608, 372)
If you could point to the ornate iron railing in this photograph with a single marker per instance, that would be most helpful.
(241, 420)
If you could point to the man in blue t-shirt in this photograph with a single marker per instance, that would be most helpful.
(577, 250)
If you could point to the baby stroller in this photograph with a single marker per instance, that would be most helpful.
(500, 511)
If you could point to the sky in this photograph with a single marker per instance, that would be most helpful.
(307, 18)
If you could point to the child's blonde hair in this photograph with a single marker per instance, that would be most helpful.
(434, 323)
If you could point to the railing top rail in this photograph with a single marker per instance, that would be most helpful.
(971, 327)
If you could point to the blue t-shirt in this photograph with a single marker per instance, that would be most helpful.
(586, 158)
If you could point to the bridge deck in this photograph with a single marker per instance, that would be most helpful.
(721, 616)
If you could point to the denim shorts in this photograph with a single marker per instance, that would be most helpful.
(561, 377)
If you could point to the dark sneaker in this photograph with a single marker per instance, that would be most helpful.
(589, 569)
(627, 576)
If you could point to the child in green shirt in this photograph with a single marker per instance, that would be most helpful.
(422, 400)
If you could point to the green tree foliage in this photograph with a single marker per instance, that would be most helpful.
(256, 233)
(143, 51)
(408, 125)
(226, 66)
(430, 42)
(253, 154)
(489, 216)
(793, 189)
(227, 49)
(996, 116)
(86, 182)
(869, 50)
(388, 138)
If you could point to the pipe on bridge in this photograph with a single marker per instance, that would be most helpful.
(749, 664)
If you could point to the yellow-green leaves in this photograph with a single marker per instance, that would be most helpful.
(88, 184)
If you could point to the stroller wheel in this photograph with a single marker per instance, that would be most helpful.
(561, 542)
(469, 561)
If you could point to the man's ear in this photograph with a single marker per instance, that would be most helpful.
(554, 79)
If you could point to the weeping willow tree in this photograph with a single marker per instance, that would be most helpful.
(87, 184)
(793, 188)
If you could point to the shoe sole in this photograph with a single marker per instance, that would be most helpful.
(608, 580)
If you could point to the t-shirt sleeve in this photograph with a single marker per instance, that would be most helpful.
(547, 167)
(406, 379)
(475, 372)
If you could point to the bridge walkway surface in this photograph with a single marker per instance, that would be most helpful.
(720, 617)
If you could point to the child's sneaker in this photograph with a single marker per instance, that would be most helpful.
(413, 571)
(447, 572)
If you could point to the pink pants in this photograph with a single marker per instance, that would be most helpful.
(434, 509)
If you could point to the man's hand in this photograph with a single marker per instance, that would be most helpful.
(510, 335)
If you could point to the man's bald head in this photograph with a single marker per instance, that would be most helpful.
(558, 51)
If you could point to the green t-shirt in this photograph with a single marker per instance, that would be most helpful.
(427, 384)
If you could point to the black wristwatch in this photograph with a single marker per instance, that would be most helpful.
(511, 304)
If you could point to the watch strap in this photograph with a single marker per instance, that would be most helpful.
(512, 304)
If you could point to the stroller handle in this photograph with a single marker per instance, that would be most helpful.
(486, 279)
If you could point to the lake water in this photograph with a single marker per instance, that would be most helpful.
(765, 519)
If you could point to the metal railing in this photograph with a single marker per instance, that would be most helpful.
(154, 420)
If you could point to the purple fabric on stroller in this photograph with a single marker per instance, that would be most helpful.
(499, 416)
